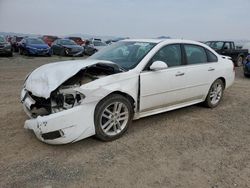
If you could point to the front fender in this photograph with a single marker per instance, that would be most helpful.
(99, 89)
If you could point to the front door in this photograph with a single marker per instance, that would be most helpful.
(164, 87)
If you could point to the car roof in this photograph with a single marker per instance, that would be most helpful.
(219, 41)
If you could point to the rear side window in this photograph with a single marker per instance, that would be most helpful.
(170, 54)
(211, 57)
(195, 54)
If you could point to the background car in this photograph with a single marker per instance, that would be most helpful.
(228, 48)
(15, 42)
(67, 47)
(5, 47)
(34, 46)
(49, 39)
(246, 67)
(77, 40)
(94, 45)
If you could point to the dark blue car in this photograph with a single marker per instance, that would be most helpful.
(246, 67)
(34, 46)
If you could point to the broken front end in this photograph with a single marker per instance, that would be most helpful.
(65, 116)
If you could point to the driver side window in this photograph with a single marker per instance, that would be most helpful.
(170, 54)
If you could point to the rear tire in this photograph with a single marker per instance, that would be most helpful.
(113, 115)
(239, 61)
(215, 94)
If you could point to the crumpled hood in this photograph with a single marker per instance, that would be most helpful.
(45, 79)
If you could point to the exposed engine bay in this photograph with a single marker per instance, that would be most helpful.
(65, 96)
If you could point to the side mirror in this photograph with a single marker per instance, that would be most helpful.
(158, 65)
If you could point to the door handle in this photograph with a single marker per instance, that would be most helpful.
(180, 74)
(211, 69)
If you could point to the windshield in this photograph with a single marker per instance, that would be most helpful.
(99, 43)
(217, 45)
(67, 42)
(2, 39)
(35, 41)
(126, 54)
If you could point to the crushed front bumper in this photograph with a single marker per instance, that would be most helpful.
(65, 126)
(62, 127)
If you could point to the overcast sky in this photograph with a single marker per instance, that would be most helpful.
(189, 19)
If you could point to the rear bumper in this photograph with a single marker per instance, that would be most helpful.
(64, 127)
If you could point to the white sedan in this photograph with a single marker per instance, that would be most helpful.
(72, 100)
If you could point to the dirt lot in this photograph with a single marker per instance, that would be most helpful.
(190, 147)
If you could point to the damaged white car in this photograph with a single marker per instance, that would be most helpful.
(72, 100)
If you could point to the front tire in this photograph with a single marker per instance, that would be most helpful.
(113, 115)
(215, 94)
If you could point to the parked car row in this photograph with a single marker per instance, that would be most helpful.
(49, 45)
(69, 46)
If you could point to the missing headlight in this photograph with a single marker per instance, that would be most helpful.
(69, 99)
(65, 98)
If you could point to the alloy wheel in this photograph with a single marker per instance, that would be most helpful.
(216, 93)
(114, 118)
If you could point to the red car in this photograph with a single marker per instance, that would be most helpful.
(48, 39)
(77, 40)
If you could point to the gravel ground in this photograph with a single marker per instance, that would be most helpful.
(190, 147)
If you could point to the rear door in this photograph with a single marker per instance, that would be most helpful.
(201, 70)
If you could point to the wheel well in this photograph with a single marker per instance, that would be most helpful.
(240, 55)
(223, 80)
(131, 99)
